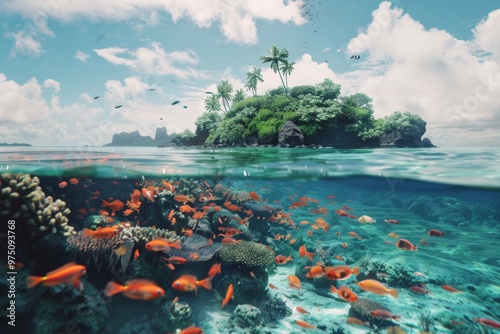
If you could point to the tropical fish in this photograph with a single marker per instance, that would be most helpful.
(191, 330)
(188, 283)
(116, 205)
(315, 272)
(304, 324)
(141, 289)
(303, 252)
(253, 195)
(101, 233)
(63, 184)
(435, 233)
(339, 273)
(229, 295)
(281, 259)
(364, 219)
(376, 287)
(345, 293)
(162, 244)
(406, 245)
(384, 314)
(487, 322)
(215, 269)
(74, 181)
(450, 288)
(294, 282)
(184, 199)
(301, 310)
(391, 221)
(69, 273)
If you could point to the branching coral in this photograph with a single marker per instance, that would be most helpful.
(248, 253)
(22, 199)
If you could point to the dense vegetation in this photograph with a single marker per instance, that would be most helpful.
(312, 108)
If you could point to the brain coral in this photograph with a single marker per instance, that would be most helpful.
(248, 253)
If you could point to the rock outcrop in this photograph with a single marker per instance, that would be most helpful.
(136, 139)
(290, 135)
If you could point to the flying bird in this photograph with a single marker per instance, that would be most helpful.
(152, 89)
(185, 107)
(175, 102)
(355, 56)
(117, 107)
(209, 93)
(96, 97)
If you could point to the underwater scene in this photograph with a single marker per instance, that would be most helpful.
(276, 240)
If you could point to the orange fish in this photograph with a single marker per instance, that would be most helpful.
(340, 272)
(393, 235)
(376, 287)
(272, 286)
(424, 242)
(294, 282)
(176, 260)
(136, 254)
(344, 245)
(345, 293)
(227, 241)
(229, 295)
(281, 259)
(355, 235)
(406, 245)
(315, 272)
(188, 283)
(187, 232)
(191, 330)
(69, 273)
(356, 321)
(184, 199)
(341, 213)
(253, 195)
(74, 181)
(292, 241)
(186, 208)
(63, 184)
(116, 205)
(135, 289)
(301, 310)
(435, 233)
(162, 244)
(303, 252)
(450, 288)
(215, 269)
(101, 233)
(391, 221)
(304, 324)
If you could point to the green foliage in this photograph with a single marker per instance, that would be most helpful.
(302, 90)
(256, 102)
(239, 95)
(276, 91)
(208, 121)
(186, 135)
(403, 122)
(327, 90)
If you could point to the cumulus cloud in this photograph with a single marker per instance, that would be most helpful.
(24, 44)
(118, 93)
(427, 71)
(81, 56)
(154, 60)
(236, 18)
(51, 83)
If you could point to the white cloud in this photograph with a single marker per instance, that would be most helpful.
(51, 83)
(154, 60)
(326, 49)
(118, 94)
(81, 56)
(236, 17)
(406, 66)
(487, 34)
(24, 44)
(86, 97)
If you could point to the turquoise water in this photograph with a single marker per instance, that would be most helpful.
(455, 191)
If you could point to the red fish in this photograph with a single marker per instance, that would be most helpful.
(229, 295)
(253, 195)
(303, 252)
(487, 322)
(391, 221)
(188, 283)
(116, 205)
(162, 244)
(435, 233)
(315, 272)
(69, 273)
(301, 310)
(340, 272)
(214, 270)
(101, 233)
(135, 289)
(345, 293)
(281, 259)
(304, 324)
(384, 315)
(406, 245)
(294, 282)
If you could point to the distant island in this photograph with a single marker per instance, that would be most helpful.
(14, 144)
(134, 138)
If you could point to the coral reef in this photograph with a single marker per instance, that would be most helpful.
(199, 245)
(276, 308)
(248, 253)
(143, 235)
(168, 317)
(22, 199)
(63, 305)
(245, 319)
(426, 323)
(361, 309)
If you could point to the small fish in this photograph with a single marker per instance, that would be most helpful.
(450, 288)
(184, 199)
(355, 235)
(315, 272)
(215, 269)
(366, 220)
(391, 221)
(135, 289)
(63, 184)
(301, 310)
(304, 324)
(393, 235)
(253, 195)
(74, 181)
(101, 233)
(384, 315)
(272, 286)
(487, 322)
(188, 283)
(406, 245)
(116, 205)
(303, 252)
(435, 233)
(69, 273)
(281, 259)
(340, 272)
(229, 295)
(162, 244)
(294, 282)
(376, 287)
(176, 260)
(191, 330)
(345, 293)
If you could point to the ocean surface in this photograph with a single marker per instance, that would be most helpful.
(243, 208)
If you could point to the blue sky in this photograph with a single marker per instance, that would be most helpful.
(431, 58)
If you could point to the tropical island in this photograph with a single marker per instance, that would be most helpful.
(299, 116)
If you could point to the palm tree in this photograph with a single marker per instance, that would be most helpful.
(252, 78)
(276, 58)
(224, 90)
(239, 95)
(212, 103)
(287, 68)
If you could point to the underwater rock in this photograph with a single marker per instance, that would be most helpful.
(62, 306)
(247, 289)
(290, 135)
(444, 209)
(362, 308)
(245, 319)
(199, 245)
(168, 317)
